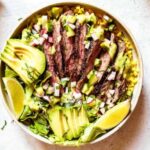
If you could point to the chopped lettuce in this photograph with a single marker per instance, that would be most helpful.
(40, 126)
(92, 109)
(27, 114)
(35, 103)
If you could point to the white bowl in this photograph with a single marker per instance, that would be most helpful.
(137, 89)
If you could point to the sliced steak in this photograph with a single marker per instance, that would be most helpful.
(70, 47)
(122, 82)
(105, 89)
(105, 59)
(89, 63)
(73, 61)
(68, 12)
(57, 38)
(102, 85)
(81, 49)
(107, 85)
(72, 69)
(70, 51)
(119, 90)
(102, 75)
(50, 63)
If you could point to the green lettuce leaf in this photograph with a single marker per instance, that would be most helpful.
(40, 125)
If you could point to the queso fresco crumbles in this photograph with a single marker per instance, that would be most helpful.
(77, 67)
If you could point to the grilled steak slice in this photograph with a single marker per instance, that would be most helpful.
(79, 53)
(68, 41)
(50, 63)
(81, 48)
(106, 85)
(92, 54)
(57, 29)
(73, 61)
(89, 63)
(72, 70)
(105, 90)
(119, 89)
(69, 53)
(68, 12)
(122, 86)
(105, 59)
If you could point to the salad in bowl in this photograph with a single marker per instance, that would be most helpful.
(70, 73)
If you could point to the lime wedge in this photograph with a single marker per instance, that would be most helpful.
(16, 95)
(113, 116)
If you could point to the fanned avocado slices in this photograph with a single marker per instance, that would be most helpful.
(28, 62)
(56, 123)
(72, 122)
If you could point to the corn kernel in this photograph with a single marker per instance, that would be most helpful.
(119, 34)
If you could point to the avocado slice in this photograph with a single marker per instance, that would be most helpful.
(81, 18)
(97, 62)
(71, 19)
(71, 132)
(110, 46)
(91, 18)
(120, 61)
(93, 79)
(65, 124)
(76, 123)
(70, 31)
(85, 88)
(56, 123)
(90, 89)
(83, 119)
(28, 62)
(72, 123)
(90, 133)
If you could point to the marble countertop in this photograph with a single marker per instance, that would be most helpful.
(135, 134)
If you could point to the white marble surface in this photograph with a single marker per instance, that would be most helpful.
(135, 134)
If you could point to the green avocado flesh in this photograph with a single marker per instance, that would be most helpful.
(28, 62)
(67, 123)
(72, 122)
